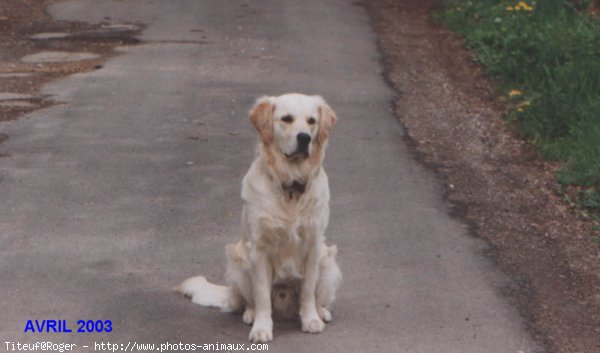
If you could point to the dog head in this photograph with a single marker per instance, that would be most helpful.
(294, 125)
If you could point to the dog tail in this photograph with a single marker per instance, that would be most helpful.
(204, 293)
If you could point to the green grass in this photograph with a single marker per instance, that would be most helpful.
(548, 50)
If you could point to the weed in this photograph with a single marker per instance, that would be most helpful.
(549, 52)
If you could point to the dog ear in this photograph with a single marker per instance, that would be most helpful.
(261, 116)
(327, 119)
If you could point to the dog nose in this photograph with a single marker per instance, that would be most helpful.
(303, 139)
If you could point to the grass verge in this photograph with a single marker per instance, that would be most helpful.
(545, 56)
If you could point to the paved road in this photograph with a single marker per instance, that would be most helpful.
(106, 201)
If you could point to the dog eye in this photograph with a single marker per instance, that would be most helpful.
(311, 121)
(287, 119)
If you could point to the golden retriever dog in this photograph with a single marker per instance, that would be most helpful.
(281, 266)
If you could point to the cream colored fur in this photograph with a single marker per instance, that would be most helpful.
(281, 265)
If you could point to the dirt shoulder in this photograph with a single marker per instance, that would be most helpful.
(20, 81)
(496, 181)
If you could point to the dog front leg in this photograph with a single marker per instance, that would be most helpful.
(311, 322)
(262, 329)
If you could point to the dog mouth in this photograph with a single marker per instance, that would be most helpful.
(297, 154)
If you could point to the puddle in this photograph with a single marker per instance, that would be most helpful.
(17, 104)
(16, 74)
(58, 56)
(8, 96)
(106, 31)
(50, 35)
(41, 50)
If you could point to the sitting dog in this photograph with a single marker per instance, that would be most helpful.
(281, 265)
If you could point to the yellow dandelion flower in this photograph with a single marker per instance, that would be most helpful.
(522, 5)
(523, 105)
(514, 93)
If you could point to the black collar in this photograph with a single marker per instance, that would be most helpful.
(295, 187)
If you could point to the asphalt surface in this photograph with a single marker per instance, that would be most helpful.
(132, 185)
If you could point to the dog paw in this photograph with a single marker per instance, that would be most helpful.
(248, 316)
(260, 334)
(313, 326)
(325, 314)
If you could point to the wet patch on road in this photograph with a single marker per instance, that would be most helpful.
(35, 50)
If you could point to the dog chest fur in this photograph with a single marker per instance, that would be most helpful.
(284, 228)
